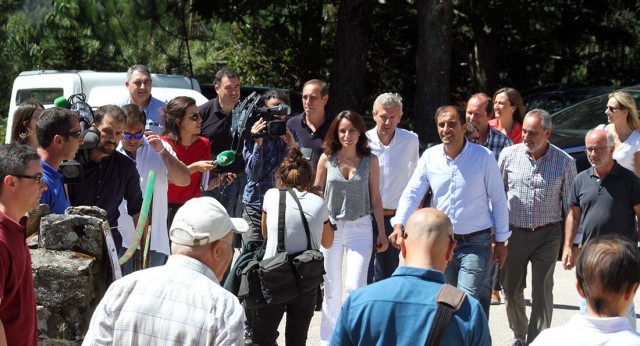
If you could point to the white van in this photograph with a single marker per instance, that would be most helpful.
(101, 88)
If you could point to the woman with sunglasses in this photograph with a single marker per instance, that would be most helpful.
(624, 125)
(183, 124)
(23, 129)
(348, 176)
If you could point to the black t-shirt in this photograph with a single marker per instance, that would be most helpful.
(216, 127)
(607, 205)
(306, 138)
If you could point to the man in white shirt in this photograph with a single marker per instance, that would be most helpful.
(467, 186)
(398, 153)
(608, 273)
(182, 302)
(149, 153)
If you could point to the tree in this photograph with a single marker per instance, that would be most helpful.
(433, 63)
(351, 45)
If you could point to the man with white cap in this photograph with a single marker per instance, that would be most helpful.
(181, 302)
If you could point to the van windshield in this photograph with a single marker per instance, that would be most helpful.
(46, 96)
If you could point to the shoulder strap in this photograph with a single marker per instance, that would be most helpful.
(304, 219)
(449, 300)
(281, 216)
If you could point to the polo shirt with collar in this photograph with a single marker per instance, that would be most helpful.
(216, 127)
(308, 139)
(55, 196)
(607, 205)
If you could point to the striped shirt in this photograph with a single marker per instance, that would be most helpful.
(537, 191)
(180, 303)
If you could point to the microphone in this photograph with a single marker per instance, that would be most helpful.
(225, 158)
(62, 103)
(281, 109)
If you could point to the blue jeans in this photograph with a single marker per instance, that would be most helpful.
(383, 264)
(230, 196)
(469, 265)
(156, 259)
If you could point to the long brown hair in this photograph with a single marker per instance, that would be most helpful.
(173, 114)
(294, 171)
(331, 142)
(21, 119)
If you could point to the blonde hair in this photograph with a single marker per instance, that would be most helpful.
(627, 102)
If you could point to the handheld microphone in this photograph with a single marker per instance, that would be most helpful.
(225, 158)
(62, 102)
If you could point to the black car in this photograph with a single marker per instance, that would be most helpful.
(570, 125)
(555, 97)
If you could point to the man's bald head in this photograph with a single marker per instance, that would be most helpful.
(428, 239)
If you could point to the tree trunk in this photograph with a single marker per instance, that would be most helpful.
(348, 70)
(433, 64)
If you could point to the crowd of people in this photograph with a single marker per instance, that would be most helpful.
(467, 216)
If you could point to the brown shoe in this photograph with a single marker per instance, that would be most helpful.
(495, 298)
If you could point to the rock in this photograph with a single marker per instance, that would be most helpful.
(75, 232)
(62, 278)
(43, 316)
(87, 210)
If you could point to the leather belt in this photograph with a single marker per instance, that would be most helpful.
(471, 235)
(533, 229)
(388, 212)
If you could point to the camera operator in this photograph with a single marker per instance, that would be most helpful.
(263, 152)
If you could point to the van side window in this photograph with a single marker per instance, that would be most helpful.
(46, 96)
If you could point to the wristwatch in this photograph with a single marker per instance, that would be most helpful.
(505, 243)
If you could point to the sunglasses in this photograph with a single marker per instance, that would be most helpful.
(194, 116)
(37, 177)
(138, 135)
(74, 134)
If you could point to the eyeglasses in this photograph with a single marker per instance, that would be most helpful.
(597, 150)
(474, 140)
(37, 177)
(195, 116)
(612, 109)
(138, 135)
(140, 83)
(74, 134)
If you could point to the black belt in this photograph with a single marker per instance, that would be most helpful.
(533, 229)
(472, 234)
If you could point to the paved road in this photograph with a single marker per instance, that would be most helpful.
(565, 305)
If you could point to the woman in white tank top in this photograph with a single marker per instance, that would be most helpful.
(624, 125)
(348, 174)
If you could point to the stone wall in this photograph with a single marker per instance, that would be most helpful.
(70, 273)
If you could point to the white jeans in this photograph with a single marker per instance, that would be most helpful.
(356, 237)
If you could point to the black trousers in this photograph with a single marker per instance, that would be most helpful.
(299, 314)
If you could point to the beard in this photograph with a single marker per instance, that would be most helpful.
(103, 149)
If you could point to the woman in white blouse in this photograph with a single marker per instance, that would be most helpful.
(624, 124)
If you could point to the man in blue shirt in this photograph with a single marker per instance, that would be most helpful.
(59, 137)
(400, 310)
(467, 186)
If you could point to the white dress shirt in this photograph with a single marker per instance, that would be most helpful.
(585, 330)
(146, 160)
(468, 189)
(397, 162)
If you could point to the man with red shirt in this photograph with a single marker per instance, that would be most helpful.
(22, 186)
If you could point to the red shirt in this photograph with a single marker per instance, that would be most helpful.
(18, 305)
(198, 151)
(516, 132)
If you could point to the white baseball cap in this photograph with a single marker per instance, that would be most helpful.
(203, 220)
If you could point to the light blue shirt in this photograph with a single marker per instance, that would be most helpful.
(400, 311)
(153, 111)
(469, 189)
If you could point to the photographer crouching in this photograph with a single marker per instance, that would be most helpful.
(265, 146)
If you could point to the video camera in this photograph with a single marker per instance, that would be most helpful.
(247, 112)
(72, 169)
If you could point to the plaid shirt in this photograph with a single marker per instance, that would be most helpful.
(537, 191)
(180, 303)
(496, 141)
